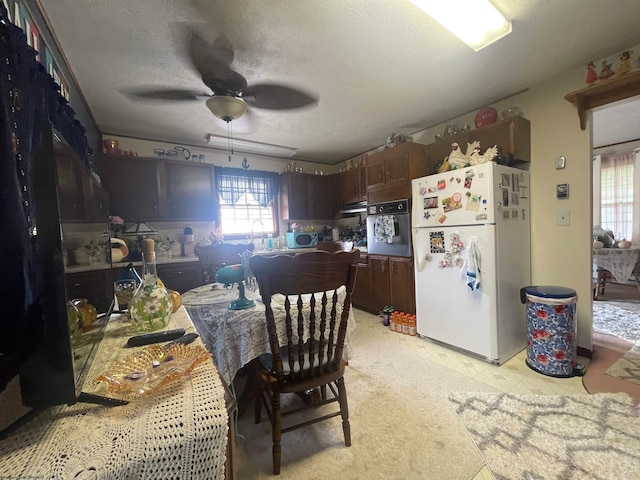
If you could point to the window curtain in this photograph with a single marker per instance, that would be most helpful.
(231, 183)
(29, 100)
(635, 238)
(597, 200)
(616, 191)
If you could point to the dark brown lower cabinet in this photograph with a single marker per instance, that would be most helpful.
(95, 285)
(389, 281)
(360, 296)
(181, 276)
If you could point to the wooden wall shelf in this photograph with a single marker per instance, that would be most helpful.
(603, 93)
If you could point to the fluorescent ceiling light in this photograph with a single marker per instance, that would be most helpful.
(476, 22)
(246, 146)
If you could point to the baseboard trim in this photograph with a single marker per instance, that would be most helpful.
(584, 352)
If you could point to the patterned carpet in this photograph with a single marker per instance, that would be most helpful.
(595, 437)
(623, 321)
(628, 367)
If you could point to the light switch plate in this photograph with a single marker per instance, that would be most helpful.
(561, 162)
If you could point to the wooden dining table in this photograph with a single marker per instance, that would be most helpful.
(236, 337)
(622, 264)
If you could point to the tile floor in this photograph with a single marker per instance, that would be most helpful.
(513, 376)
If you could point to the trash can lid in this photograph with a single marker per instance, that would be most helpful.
(550, 291)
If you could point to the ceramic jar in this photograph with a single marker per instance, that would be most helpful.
(485, 116)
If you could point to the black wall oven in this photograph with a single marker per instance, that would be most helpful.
(389, 229)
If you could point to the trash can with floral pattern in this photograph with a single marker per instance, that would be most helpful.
(551, 328)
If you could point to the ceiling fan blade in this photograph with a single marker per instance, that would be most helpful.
(277, 97)
(212, 62)
(163, 94)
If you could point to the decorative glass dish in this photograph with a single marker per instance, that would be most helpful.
(151, 368)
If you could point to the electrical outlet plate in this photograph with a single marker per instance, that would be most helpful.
(563, 218)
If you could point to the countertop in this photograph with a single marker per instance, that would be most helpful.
(105, 265)
(181, 259)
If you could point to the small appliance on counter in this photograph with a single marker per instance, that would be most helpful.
(301, 239)
(188, 241)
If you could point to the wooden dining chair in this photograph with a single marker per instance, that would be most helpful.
(307, 354)
(214, 257)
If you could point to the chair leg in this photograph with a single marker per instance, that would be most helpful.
(276, 431)
(258, 401)
(344, 411)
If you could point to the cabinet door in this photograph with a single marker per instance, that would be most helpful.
(190, 191)
(396, 169)
(181, 276)
(96, 201)
(294, 196)
(401, 284)
(379, 278)
(349, 186)
(361, 296)
(70, 192)
(375, 173)
(133, 186)
(321, 197)
(362, 183)
(96, 286)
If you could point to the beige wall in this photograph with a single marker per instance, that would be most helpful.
(560, 255)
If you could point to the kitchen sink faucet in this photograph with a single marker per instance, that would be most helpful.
(261, 233)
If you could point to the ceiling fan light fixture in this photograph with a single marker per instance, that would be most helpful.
(246, 146)
(226, 108)
(476, 22)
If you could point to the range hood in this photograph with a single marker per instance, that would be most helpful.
(353, 208)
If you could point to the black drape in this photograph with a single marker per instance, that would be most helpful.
(29, 99)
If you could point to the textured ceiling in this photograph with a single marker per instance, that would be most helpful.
(377, 66)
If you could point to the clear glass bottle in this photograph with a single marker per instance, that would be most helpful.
(150, 308)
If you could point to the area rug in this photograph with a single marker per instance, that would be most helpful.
(628, 367)
(536, 437)
(621, 322)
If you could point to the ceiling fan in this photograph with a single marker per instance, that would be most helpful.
(231, 94)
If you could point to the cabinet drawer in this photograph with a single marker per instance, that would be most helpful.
(95, 286)
(181, 276)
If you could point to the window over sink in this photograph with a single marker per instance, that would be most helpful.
(246, 197)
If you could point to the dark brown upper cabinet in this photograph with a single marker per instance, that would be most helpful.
(142, 189)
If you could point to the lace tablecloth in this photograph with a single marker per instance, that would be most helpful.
(235, 337)
(178, 432)
(619, 261)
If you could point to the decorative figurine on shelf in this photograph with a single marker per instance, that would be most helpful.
(592, 75)
(625, 62)
(457, 159)
(396, 139)
(489, 155)
(444, 166)
(606, 71)
(485, 116)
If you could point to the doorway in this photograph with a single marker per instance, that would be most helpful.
(616, 311)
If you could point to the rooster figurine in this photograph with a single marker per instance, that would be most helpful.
(477, 158)
(457, 159)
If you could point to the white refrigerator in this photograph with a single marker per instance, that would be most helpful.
(471, 246)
